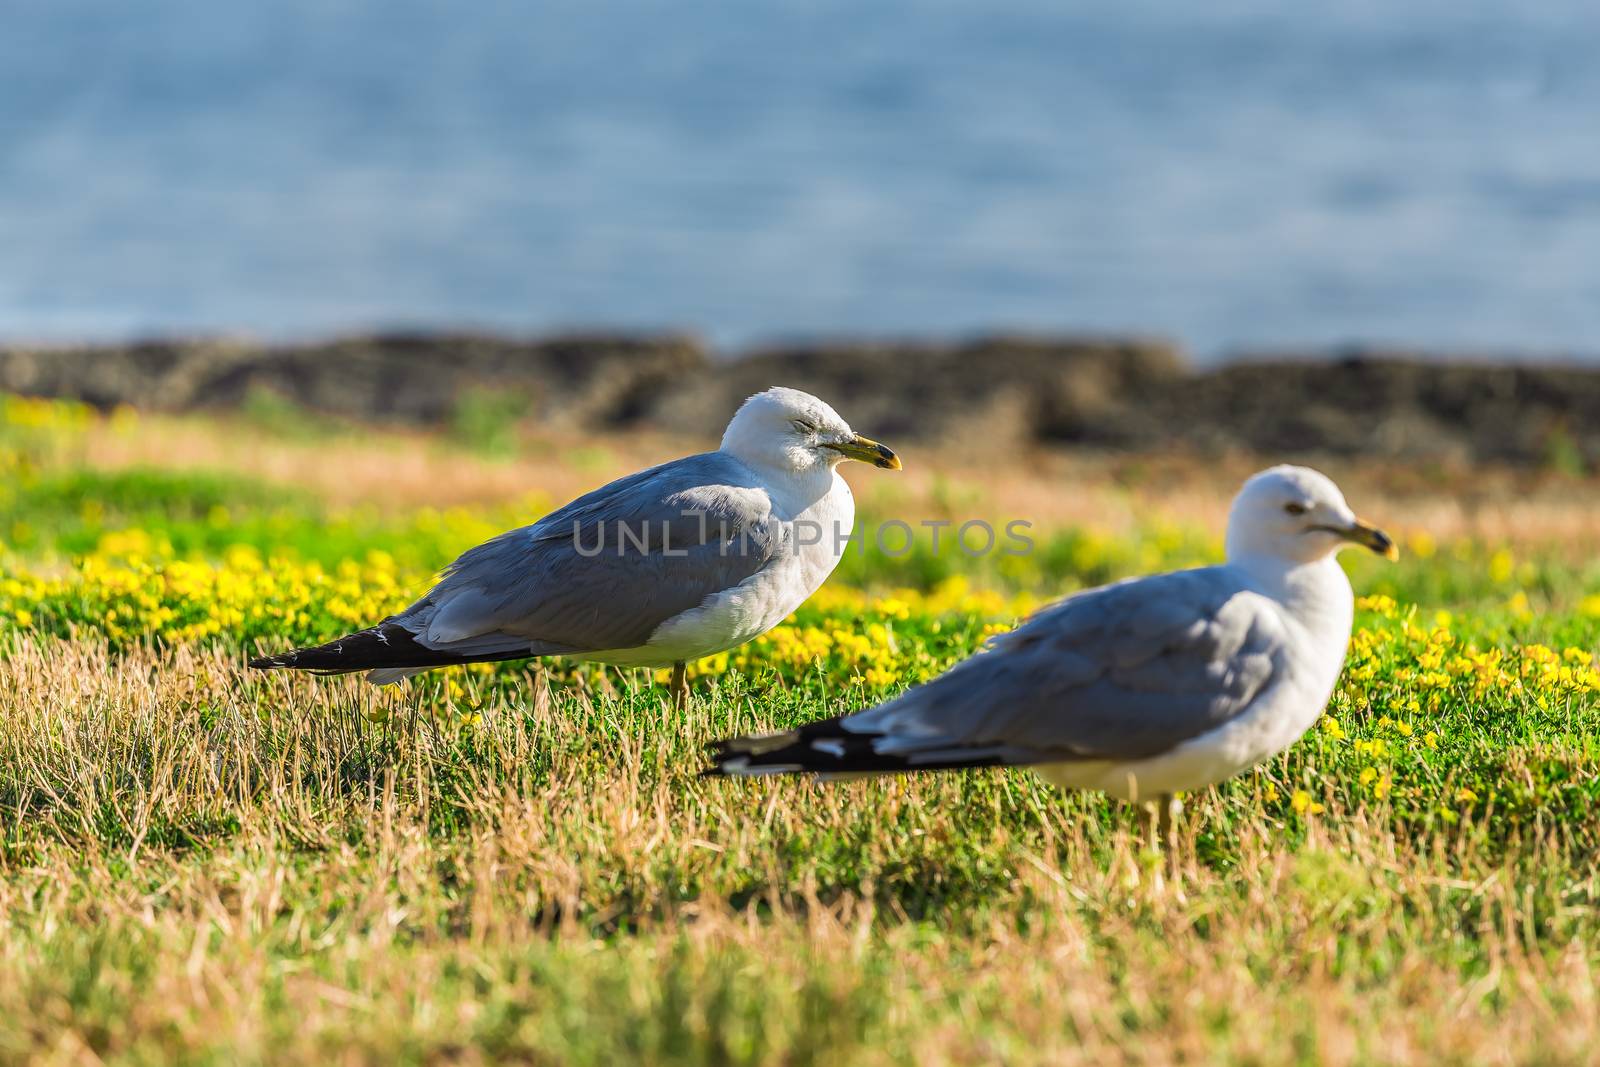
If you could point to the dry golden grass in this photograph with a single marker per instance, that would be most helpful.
(401, 471)
(200, 865)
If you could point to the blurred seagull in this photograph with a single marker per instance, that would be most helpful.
(1139, 689)
(673, 563)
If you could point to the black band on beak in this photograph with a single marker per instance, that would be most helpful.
(867, 451)
(1369, 536)
(1366, 535)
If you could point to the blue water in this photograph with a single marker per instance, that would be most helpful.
(1228, 174)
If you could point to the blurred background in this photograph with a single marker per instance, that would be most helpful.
(1124, 194)
(1236, 174)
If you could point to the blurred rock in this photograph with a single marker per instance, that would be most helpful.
(1126, 394)
(1000, 390)
(1376, 403)
(580, 380)
(155, 375)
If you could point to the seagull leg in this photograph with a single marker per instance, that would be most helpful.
(541, 691)
(1169, 841)
(1158, 853)
(680, 687)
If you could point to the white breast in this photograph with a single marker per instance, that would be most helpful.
(819, 530)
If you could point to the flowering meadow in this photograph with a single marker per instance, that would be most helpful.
(519, 862)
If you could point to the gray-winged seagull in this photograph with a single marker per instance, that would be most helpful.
(665, 566)
(1141, 688)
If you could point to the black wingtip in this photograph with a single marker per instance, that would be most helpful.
(385, 645)
(788, 751)
(717, 753)
(729, 750)
(831, 749)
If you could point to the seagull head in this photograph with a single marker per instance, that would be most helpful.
(789, 430)
(1297, 515)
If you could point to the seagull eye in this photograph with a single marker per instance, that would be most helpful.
(802, 426)
(1296, 509)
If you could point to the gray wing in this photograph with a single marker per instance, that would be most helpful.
(605, 570)
(1122, 672)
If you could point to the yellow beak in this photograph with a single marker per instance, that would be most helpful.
(1369, 536)
(867, 451)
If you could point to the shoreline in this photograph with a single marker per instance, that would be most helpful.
(1118, 394)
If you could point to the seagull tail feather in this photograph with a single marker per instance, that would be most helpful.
(388, 649)
(830, 749)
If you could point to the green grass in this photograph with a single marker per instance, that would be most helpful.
(70, 510)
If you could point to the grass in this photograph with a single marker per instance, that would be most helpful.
(202, 864)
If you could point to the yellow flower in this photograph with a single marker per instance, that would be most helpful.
(894, 607)
(879, 677)
(1501, 566)
(1301, 802)
(1379, 604)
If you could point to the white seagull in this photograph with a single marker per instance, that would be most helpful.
(680, 561)
(1138, 689)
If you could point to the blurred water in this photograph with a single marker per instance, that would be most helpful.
(1225, 173)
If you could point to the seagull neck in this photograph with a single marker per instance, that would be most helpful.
(1317, 594)
(799, 484)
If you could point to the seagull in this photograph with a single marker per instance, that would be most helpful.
(664, 566)
(1139, 689)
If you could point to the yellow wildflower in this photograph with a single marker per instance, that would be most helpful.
(1379, 604)
(879, 677)
(1302, 803)
(1501, 566)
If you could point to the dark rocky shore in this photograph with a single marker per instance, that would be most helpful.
(1109, 393)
